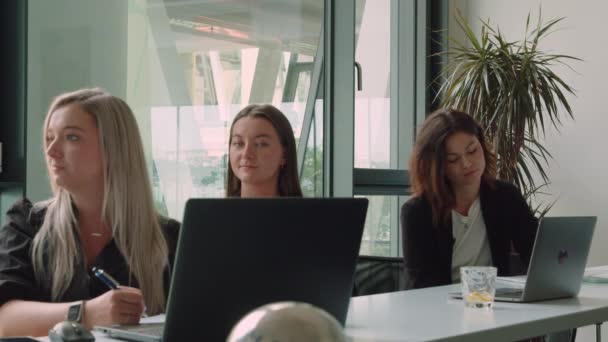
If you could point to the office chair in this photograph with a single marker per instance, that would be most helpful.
(376, 274)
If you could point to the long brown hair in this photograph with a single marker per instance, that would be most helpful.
(289, 182)
(427, 163)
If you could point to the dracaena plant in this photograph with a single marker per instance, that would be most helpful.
(510, 87)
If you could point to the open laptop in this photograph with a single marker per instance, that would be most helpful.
(557, 263)
(235, 255)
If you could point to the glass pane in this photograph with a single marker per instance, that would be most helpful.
(185, 67)
(204, 61)
(381, 234)
(226, 55)
(372, 102)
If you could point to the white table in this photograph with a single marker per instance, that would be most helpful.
(429, 315)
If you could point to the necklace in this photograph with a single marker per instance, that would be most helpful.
(473, 214)
(99, 233)
(92, 227)
(465, 221)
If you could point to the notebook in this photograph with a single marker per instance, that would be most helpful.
(235, 255)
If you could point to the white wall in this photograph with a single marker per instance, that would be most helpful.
(579, 173)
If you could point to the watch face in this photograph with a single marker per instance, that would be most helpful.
(74, 313)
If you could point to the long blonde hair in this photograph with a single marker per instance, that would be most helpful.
(128, 206)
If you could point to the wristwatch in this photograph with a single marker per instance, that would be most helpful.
(75, 312)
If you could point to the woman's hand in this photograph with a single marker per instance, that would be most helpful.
(121, 306)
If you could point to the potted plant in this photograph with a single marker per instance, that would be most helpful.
(511, 89)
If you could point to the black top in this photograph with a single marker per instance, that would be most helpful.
(427, 250)
(17, 280)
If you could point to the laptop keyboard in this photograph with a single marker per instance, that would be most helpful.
(509, 292)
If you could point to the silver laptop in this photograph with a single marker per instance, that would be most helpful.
(145, 332)
(557, 263)
(235, 255)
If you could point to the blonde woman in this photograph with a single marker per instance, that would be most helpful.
(101, 215)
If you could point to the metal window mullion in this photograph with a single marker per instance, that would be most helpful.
(421, 65)
(394, 85)
(394, 120)
(307, 122)
(407, 78)
(437, 40)
(403, 98)
(22, 90)
(339, 104)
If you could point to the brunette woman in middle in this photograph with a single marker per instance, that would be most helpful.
(262, 155)
(459, 213)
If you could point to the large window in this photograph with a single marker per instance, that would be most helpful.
(188, 67)
(217, 58)
(391, 48)
(373, 120)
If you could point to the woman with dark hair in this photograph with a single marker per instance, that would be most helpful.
(262, 155)
(459, 214)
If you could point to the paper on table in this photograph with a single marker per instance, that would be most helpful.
(597, 274)
(153, 319)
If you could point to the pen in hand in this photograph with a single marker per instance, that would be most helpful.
(105, 278)
(110, 282)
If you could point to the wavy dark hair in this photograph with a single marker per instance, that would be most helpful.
(428, 160)
(289, 182)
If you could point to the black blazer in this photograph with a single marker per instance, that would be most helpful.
(17, 278)
(427, 250)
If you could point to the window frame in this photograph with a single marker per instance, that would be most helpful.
(412, 74)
